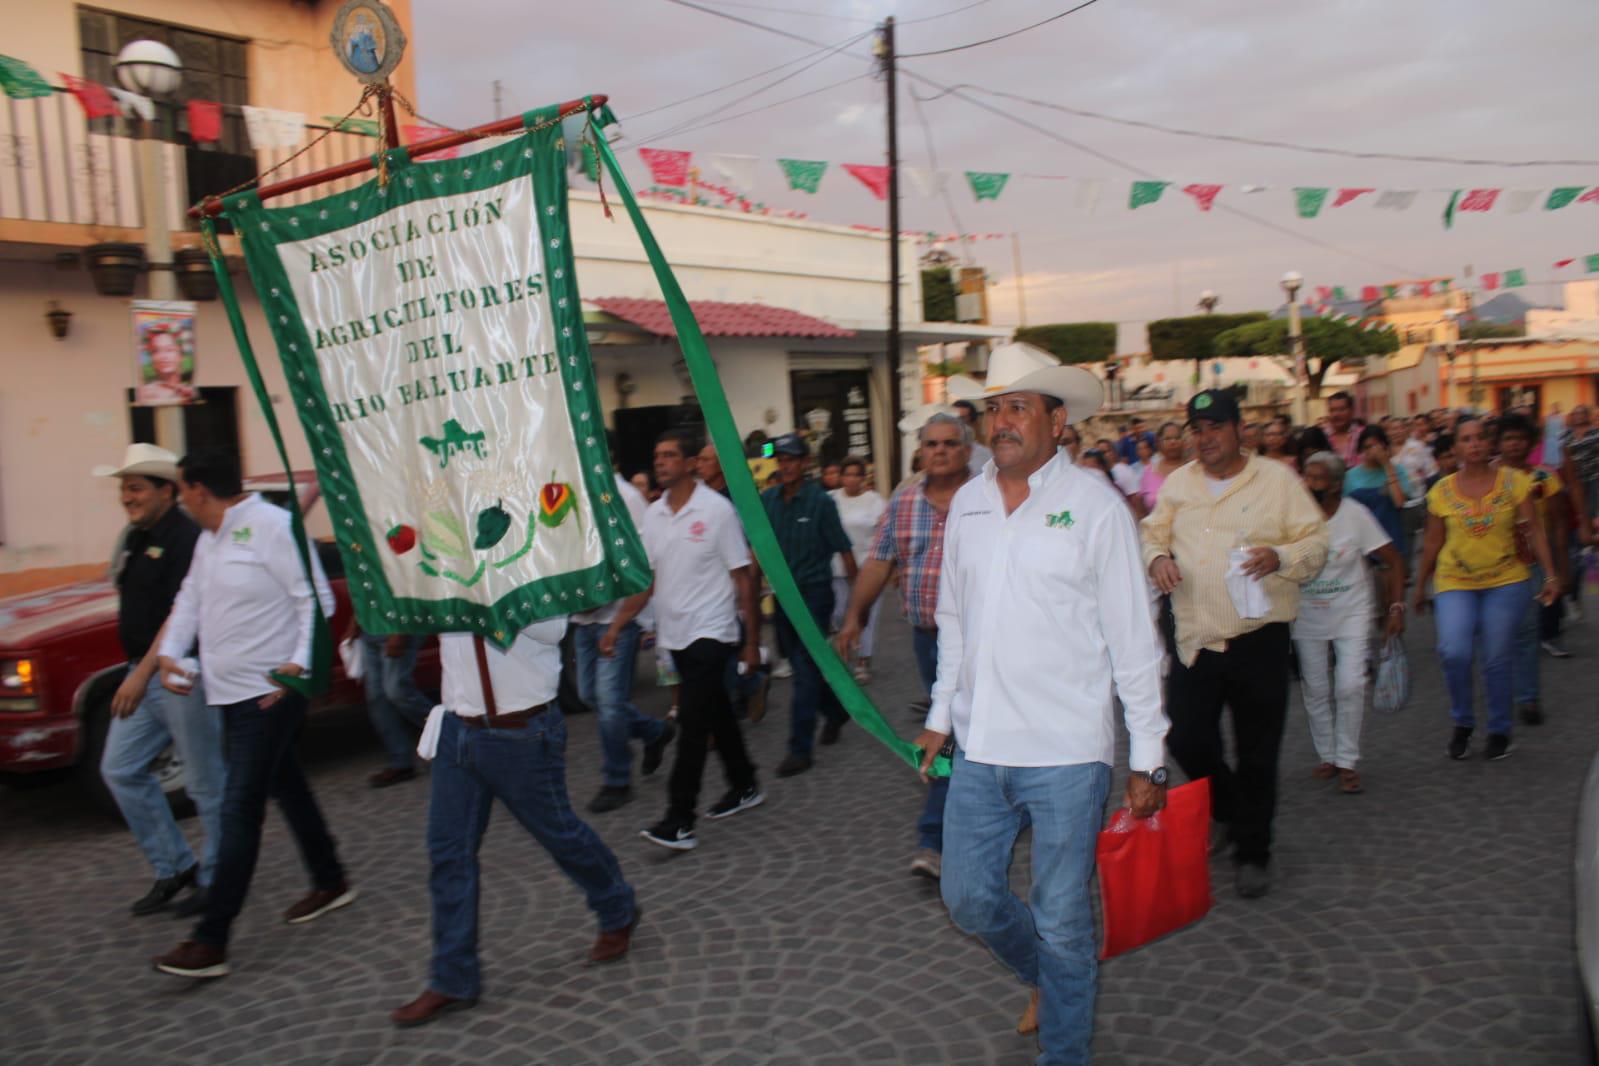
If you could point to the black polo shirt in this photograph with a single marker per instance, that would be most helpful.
(153, 564)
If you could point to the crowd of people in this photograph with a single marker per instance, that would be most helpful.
(1180, 572)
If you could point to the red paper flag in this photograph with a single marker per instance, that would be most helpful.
(205, 121)
(1561, 264)
(94, 98)
(1324, 293)
(1490, 281)
(418, 134)
(874, 178)
(1204, 195)
(1424, 288)
(666, 166)
(1370, 294)
(1590, 197)
(1346, 195)
(1478, 200)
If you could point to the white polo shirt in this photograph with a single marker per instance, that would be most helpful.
(1044, 619)
(247, 599)
(636, 504)
(693, 553)
(524, 675)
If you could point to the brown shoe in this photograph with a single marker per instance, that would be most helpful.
(613, 945)
(428, 1006)
(1325, 772)
(1029, 1023)
(193, 959)
(391, 775)
(1349, 783)
(319, 903)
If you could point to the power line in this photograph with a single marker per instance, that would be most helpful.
(757, 110)
(1001, 37)
(932, 159)
(1141, 172)
(788, 11)
(1264, 143)
(743, 21)
(941, 15)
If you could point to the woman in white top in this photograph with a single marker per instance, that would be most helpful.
(859, 509)
(1335, 611)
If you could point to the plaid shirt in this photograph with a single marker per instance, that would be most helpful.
(911, 536)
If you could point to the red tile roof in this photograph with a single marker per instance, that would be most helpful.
(719, 319)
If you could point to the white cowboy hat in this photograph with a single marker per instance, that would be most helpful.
(143, 460)
(913, 421)
(1020, 367)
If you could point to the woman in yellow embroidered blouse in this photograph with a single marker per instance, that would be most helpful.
(1483, 584)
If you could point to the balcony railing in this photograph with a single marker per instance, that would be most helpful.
(57, 168)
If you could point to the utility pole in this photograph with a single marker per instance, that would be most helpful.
(885, 52)
(1016, 265)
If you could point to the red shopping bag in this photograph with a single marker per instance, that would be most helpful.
(1154, 873)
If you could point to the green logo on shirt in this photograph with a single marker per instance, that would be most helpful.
(1059, 521)
(242, 536)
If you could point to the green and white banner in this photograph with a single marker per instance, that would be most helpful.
(432, 336)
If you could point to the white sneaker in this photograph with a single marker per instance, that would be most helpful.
(782, 670)
(928, 863)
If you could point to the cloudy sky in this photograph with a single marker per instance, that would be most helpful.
(1462, 79)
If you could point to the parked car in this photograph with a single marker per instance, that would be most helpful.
(61, 662)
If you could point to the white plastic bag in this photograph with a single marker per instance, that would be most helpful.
(352, 655)
(1392, 690)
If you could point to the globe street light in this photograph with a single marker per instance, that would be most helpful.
(148, 68)
(1291, 283)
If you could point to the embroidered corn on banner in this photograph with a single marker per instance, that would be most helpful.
(431, 333)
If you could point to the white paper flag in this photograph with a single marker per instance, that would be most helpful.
(1519, 200)
(1088, 195)
(929, 182)
(1396, 199)
(1252, 188)
(737, 170)
(133, 105)
(270, 128)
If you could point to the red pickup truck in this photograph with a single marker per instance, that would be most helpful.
(61, 661)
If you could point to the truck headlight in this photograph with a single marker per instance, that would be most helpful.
(17, 685)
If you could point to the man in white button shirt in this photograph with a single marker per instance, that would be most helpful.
(703, 580)
(499, 734)
(248, 600)
(1043, 621)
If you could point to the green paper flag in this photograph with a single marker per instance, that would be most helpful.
(1145, 192)
(1390, 291)
(1515, 278)
(20, 81)
(365, 127)
(1591, 262)
(986, 186)
(1338, 293)
(1449, 210)
(1308, 201)
(1562, 196)
(804, 175)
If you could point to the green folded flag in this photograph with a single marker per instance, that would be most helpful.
(1145, 192)
(804, 175)
(20, 81)
(1562, 196)
(363, 127)
(1591, 263)
(986, 186)
(1308, 201)
(1515, 278)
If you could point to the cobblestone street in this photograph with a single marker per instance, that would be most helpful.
(1426, 921)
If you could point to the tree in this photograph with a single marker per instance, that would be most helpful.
(1073, 342)
(938, 295)
(1190, 337)
(1326, 342)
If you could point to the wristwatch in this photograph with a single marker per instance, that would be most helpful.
(1157, 776)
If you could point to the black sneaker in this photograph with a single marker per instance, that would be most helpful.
(671, 833)
(1460, 743)
(736, 801)
(1555, 649)
(1499, 746)
(655, 750)
(1531, 713)
(192, 905)
(831, 729)
(162, 892)
(610, 798)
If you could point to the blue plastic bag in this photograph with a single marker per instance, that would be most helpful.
(1392, 690)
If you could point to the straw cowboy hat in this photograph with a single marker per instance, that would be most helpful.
(1019, 367)
(143, 460)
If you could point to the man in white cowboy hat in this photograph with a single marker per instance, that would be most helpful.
(148, 567)
(1043, 618)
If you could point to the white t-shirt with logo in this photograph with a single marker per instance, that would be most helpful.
(1338, 601)
(693, 553)
(859, 516)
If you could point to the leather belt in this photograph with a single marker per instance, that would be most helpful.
(505, 719)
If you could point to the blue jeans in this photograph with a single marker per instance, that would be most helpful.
(261, 763)
(1047, 942)
(131, 744)
(606, 685)
(811, 693)
(1524, 662)
(1468, 618)
(930, 826)
(526, 770)
(392, 698)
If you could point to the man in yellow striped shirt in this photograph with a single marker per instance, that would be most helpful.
(1230, 540)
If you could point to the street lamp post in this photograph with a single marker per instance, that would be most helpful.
(1207, 303)
(1291, 283)
(151, 69)
(1451, 339)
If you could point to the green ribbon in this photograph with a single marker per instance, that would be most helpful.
(746, 497)
(321, 675)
